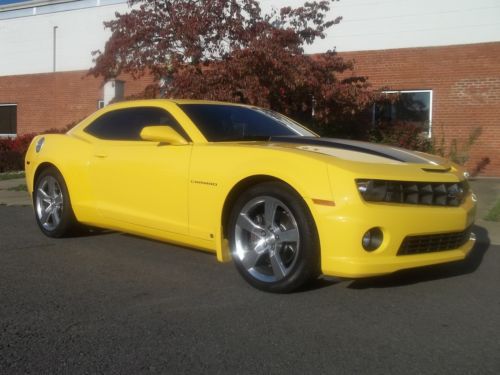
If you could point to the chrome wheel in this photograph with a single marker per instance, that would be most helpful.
(49, 203)
(267, 239)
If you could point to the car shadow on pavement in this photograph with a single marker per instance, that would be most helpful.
(169, 244)
(84, 231)
(400, 278)
(319, 283)
(436, 272)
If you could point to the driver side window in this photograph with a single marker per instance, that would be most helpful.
(126, 124)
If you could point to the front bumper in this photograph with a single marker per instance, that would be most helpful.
(342, 227)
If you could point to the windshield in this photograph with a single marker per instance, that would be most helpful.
(219, 122)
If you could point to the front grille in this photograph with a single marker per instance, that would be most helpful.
(433, 242)
(419, 193)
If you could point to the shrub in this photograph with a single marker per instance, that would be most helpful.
(405, 135)
(12, 151)
(458, 152)
(410, 136)
(480, 166)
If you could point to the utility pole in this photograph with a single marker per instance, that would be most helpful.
(54, 41)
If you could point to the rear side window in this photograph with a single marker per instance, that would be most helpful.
(127, 124)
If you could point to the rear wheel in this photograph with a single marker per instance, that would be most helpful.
(273, 238)
(53, 211)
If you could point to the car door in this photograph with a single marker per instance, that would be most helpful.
(139, 182)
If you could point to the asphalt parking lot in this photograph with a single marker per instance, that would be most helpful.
(113, 303)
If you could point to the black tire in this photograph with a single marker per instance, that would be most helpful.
(51, 194)
(297, 260)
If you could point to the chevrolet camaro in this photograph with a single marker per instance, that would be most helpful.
(254, 187)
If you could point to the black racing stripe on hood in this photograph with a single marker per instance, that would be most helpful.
(364, 147)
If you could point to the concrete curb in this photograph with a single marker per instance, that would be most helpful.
(488, 193)
(13, 198)
(491, 232)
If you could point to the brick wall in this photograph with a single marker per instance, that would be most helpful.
(465, 81)
(54, 100)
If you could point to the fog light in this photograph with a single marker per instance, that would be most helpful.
(372, 239)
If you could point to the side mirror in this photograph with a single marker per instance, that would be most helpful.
(163, 134)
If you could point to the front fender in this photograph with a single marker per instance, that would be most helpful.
(70, 155)
(213, 176)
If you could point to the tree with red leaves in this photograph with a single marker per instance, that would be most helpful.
(230, 50)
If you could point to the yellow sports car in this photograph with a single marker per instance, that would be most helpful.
(254, 187)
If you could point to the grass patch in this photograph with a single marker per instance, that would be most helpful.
(21, 187)
(11, 175)
(494, 213)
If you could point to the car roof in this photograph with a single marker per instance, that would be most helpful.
(175, 101)
(194, 101)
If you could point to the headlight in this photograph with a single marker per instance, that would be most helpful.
(372, 190)
(414, 192)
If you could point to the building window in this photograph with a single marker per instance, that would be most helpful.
(406, 106)
(100, 104)
(8, 119)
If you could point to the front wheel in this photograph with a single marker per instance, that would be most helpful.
(273, 239)
(53, 211)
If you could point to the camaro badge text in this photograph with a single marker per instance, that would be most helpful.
(203, 182)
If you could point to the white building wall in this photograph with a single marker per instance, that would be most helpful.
(26, 43)
(388, 24)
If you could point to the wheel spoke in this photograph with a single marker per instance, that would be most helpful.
(58, 200)
(56, 216)
(46, 212)
(277, 265)
(250, 259)
(270, 207)
(52, 187)
(249, 225)
(43, 195)
(290, 235)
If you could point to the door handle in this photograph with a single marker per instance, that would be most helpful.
(101, 155)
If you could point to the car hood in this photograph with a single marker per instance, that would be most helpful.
(361, 151)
